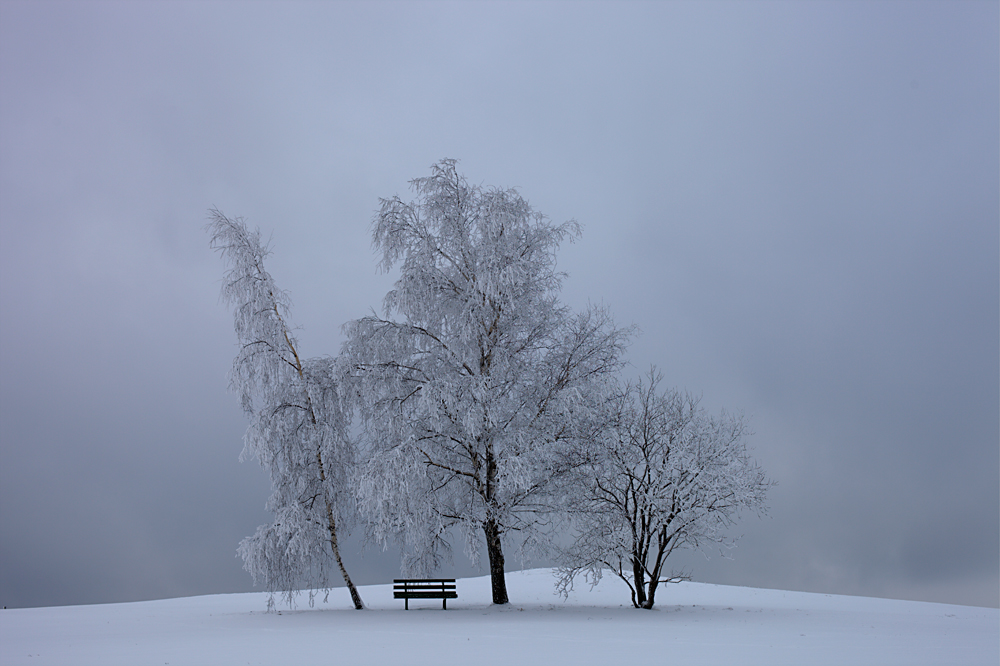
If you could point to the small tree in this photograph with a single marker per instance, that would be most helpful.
(472, 381)
(660, 474)
(297, 429)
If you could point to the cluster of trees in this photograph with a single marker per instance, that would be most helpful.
(477, 405)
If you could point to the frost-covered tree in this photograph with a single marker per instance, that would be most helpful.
(472, 382)
(660, 474)
(298, 430)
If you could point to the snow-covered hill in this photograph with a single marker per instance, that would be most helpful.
(694, 623)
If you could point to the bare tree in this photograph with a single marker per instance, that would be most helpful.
(660, 474)
(470, 383)
(298, 429)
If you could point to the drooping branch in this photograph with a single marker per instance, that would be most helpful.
(299, 441)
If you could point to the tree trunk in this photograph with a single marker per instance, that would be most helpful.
(355, 597)
(654, 580)
(639, 576)
(648, 604)
(495, 552)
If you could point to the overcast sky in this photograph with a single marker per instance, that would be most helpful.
(796, 203)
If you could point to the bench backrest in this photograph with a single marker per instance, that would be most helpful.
(423, 584)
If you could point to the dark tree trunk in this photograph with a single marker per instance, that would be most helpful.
(639, 576)
(648, 604)
(654, 580)
(495, 552)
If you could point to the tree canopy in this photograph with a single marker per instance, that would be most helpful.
(470, 383)
(660, 474)
(297, 427)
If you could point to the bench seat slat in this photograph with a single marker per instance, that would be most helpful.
(425, 595)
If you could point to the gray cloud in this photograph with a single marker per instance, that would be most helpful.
(797, 204)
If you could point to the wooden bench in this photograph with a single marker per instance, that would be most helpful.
(424, 588)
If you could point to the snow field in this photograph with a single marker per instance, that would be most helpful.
(694, 623)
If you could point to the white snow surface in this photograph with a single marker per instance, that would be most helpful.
(693, 623)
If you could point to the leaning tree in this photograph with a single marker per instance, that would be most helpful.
(659, 474)
(470, 384)
(298, 430)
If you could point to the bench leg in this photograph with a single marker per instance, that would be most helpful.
(406, 603)
(444, 604)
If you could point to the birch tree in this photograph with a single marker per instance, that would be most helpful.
(470, 383)
(298, 430)
(661, 474)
